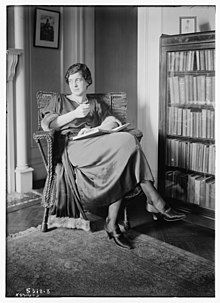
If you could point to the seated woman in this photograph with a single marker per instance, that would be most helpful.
(107, 167)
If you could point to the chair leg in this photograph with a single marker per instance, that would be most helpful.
(44, 226)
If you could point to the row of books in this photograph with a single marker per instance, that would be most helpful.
(192, 60)
(198, 123)
(198, 89)
(191, 188)
(194, 156)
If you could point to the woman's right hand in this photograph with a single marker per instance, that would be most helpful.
(82, 110)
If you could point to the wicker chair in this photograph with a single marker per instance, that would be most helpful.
(118, 105)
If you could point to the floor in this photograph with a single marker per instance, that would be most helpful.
(184, 234)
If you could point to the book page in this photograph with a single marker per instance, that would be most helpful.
(121, 127)
(93, 133)
(97, 132)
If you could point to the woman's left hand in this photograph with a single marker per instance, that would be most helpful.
(85, 130)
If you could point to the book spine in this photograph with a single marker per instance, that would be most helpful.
(207, 195)
(171, 90)
(213, 89)
(186, 88)
(202, 196)
(212, 124)
(195, 93)
(190, 83)
(204, 124)
(181, 66)
(197, 60)
(176, 89)
(182, 90)
(202, 60)
(203, 92)
(208, 89)
(212, 195)
(179, 119)
(184, 124)
(197, 192)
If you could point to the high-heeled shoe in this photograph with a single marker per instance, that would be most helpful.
(124, 225)
(172, 215)
(118, 237)
(168, 215)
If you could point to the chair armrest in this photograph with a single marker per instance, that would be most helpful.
(49, 137)
(47, 157)
(41, 134)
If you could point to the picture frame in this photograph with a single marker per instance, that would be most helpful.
(47, 26)
(188, 24)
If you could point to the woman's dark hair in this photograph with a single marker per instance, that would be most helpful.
(79, 67)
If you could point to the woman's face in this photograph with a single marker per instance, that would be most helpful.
(77, 84)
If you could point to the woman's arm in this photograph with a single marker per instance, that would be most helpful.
(106, 120)
(110, 122)
(80, 112)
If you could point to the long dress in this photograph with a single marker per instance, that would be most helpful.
(107, 167)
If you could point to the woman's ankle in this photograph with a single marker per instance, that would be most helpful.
(151, 209)
(153, 196)
(150, 192)
(110, 223)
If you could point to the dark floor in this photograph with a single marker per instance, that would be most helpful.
(189, 236)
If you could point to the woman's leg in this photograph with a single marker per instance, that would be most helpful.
(158, 203)
(112, 228)
(113, 211)
(154, 197)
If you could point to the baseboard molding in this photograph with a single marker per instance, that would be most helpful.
(25, 204)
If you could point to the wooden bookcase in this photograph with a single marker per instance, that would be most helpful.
(186, 159)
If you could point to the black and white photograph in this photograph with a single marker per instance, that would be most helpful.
(47, 28)
(187, 25)
(108, 152)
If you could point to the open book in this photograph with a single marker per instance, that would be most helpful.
(97, 132)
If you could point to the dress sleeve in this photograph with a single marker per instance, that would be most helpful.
(106, 116)
(50, 112)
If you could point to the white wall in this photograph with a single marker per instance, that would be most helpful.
(149, 31)
(170, 17)
(152, 22)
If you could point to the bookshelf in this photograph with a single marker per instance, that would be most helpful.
(186, 159)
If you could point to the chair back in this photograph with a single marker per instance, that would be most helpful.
(117, 103)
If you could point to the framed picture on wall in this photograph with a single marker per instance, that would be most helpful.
(187, 25)
(47, 28)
